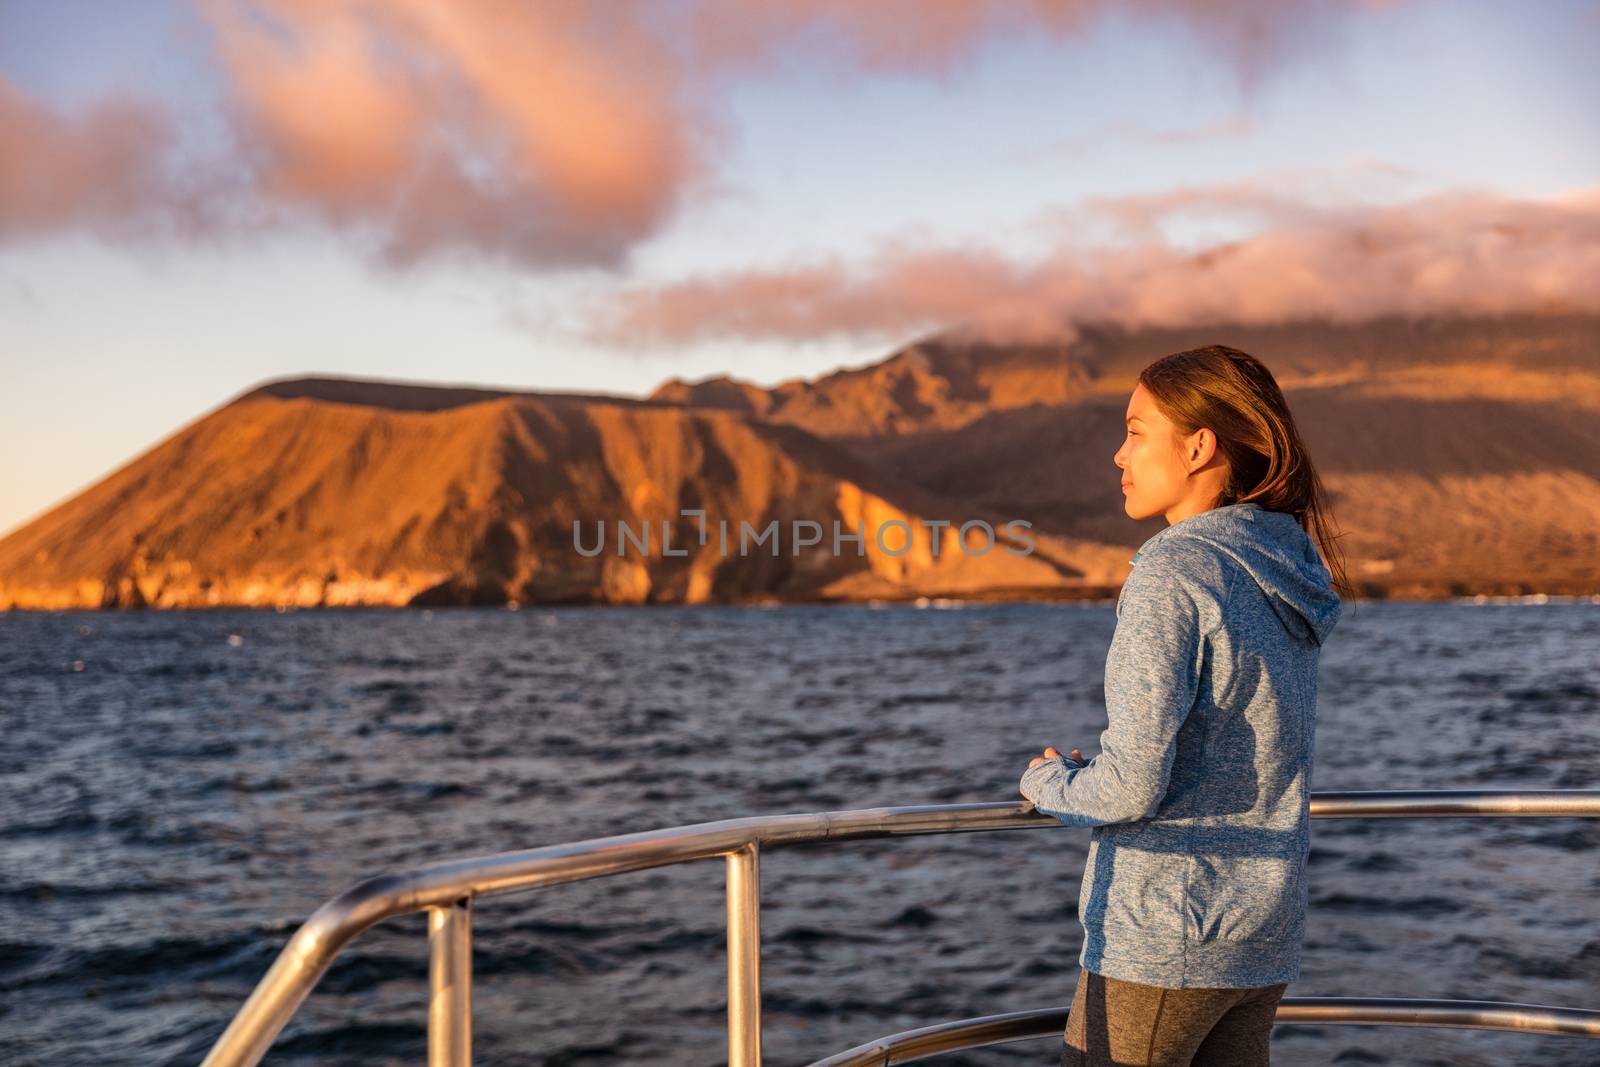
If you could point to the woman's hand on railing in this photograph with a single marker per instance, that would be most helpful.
(1050, 753)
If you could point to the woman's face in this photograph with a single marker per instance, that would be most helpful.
(1164, 473)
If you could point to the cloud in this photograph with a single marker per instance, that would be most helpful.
(1124, 131)
(1276, 199)
(550, 135)
(1461, 252)
(100, 169)
(1236, 125)
(936, 36)
(541, 134)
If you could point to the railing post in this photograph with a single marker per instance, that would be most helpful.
(744, 957)
(450, 985)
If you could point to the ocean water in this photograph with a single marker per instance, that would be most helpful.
(178, 791)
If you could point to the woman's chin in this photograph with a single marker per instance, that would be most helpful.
(1134, 509)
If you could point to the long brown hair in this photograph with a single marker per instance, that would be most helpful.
(1233, 395)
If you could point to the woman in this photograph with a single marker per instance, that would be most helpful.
(1194, 888)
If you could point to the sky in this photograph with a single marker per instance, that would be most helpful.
(197, 196)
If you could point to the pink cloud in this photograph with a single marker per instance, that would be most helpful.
(541, 134)
(938, 35)
(100, 169)
(547, 135)
(1464, 252)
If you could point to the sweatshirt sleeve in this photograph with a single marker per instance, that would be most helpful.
(1152, 679)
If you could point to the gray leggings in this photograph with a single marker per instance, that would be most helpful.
(1126, 1024)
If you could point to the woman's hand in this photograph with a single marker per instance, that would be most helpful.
(1051, 753)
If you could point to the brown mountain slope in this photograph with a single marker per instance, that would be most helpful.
(930, 385)
(1462, 454)
(332, 491)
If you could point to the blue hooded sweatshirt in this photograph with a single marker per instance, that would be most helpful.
(1200, 795)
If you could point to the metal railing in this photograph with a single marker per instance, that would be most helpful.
(447, 892)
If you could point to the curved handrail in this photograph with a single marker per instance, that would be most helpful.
(333, 926)
(1361, 1011)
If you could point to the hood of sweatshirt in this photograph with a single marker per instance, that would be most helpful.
(1277, 554)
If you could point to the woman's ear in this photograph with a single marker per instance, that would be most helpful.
(1201, 446)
